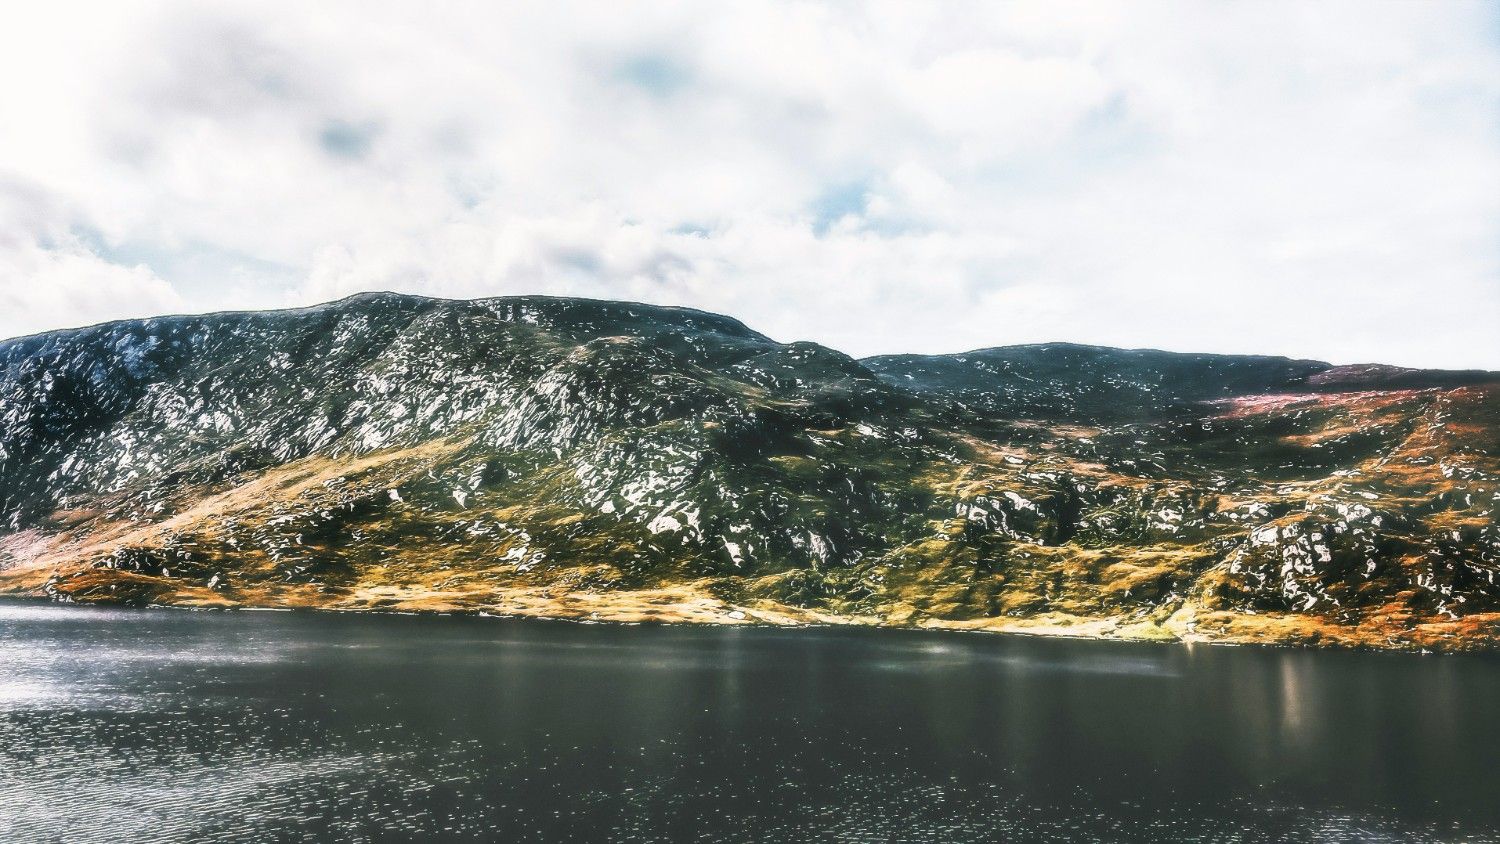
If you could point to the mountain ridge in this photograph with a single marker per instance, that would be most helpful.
(559, 456)
(377, 295)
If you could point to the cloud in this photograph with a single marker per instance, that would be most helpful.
(69, 286)
(51, 277)
(1315, 180)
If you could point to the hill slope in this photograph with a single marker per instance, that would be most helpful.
(580, 458)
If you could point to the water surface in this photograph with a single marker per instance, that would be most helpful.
(150, 725)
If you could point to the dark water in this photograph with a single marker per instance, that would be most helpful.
(177, 726)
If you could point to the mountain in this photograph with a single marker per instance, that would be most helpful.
(586, 459)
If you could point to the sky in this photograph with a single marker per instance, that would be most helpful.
(1309, 179)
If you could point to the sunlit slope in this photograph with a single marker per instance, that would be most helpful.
(572, 457)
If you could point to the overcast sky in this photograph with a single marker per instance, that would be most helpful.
(1317, 180)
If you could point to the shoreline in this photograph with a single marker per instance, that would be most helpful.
(681, 607)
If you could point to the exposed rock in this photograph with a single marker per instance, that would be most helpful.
(470, 451)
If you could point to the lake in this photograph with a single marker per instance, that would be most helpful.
(151, 725)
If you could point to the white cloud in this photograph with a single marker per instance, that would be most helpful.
(63, 283)
(69, 286)
(50, 276)
(1309, 179)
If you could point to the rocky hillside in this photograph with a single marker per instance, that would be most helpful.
(621, 461)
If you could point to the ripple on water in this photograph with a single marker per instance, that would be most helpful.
(284, 728)
(251, 777)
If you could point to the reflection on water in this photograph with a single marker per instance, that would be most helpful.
(166, 725)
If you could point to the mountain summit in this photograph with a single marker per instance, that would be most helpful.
(578, 458)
